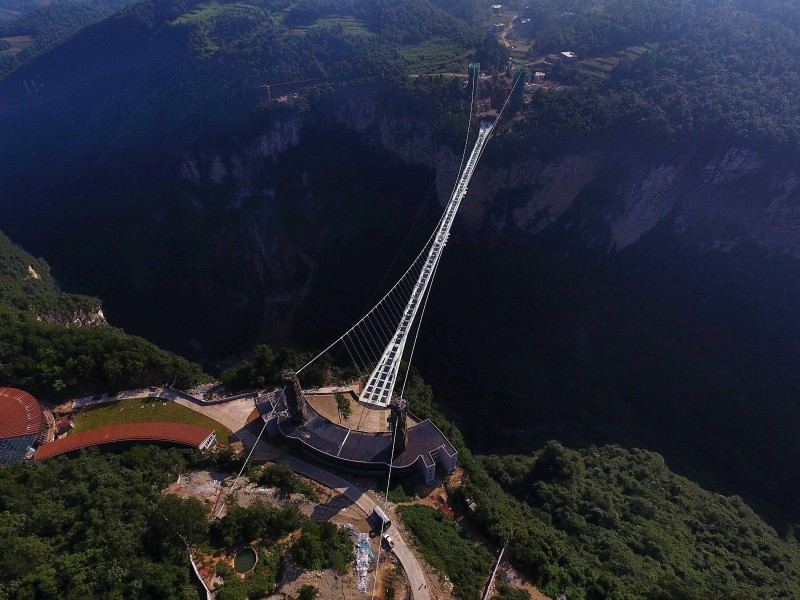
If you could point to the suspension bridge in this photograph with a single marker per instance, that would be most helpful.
(382, 435)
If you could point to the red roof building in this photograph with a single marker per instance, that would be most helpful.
(20, 414)
(163, 433)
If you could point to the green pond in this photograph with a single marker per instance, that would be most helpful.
(245, 560)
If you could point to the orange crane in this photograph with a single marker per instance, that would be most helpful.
(268, 86)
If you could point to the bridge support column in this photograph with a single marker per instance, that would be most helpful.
(295, 399)
(399, 407)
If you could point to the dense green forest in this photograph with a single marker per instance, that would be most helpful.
(48, 25)
(608, 522)
(96, 526)
(12, 9)
(669, 70)
(93, 527)
(46, 351)
(445, 547)
(208, 63)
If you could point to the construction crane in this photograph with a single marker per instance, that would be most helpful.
(268, 86)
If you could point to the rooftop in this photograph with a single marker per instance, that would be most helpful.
(351, 445)
(176, 433)
(20, 413)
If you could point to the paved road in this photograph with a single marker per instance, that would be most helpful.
(409, 562)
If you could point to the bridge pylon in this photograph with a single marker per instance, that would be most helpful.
(399, 425)
(295, 399)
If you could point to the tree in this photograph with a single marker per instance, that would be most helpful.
(178, 523)
(307, 592)
(264, 366)
(343, 407)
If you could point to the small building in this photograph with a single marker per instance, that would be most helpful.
(496, 8)
(569, 55)
(538, 76)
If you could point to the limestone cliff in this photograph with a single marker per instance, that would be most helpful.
(605, 197)
(76, 318)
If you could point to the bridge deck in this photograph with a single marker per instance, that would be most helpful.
(381, 382)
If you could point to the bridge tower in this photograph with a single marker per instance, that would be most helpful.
(474, 72)
(398, 423)
(518, 88)
(295, 399)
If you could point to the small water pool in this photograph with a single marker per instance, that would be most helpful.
(245, 560)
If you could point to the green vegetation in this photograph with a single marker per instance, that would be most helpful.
(257, 522)
(282, 477)
(266, 367)
(670, 70)
(26, 284)
(260, 582)
(402, 492)
(45, 354)
(49, 24)
(435, 55)
(52, 361)
(343, 406)
(67, 525)
(605, 522)
(508, 592)
(142, 410)
(324, 546)
(307, 592)
(625, 527)
(260, 525)
(178, 520)
(444, 546)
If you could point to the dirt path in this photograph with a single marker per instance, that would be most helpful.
(505, 31)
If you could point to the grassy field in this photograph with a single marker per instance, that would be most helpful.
(436, 55)
(139, 410)
(349, 24)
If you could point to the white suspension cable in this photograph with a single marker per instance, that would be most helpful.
(344, 343)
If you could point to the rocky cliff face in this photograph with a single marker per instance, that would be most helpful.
(245, 164)
(606, 199)
(715, 198)
(77, 318)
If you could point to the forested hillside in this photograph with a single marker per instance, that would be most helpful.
(57, 345)
(93, 527)
(670, 71)
(24, 36)
(607, 522)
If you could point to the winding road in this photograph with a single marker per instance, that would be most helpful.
(409, 562)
